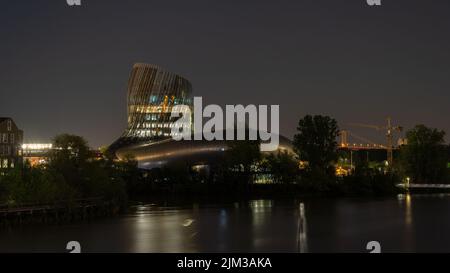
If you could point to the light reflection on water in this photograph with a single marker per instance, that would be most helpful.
(407, 223)
(162, 230)
(302, 230)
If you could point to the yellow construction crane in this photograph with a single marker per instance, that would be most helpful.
(389, 129)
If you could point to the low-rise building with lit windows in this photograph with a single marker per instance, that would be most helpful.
(11, 138)
(36, 153)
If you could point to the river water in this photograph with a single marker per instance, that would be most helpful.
(408, 223)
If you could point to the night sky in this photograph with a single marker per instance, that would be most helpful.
(65, 69)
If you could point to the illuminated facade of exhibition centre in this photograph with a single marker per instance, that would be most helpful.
(152, 93)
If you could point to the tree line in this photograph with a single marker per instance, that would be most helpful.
(312, 170)
(73, 171)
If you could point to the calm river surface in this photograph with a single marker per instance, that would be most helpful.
(416, 223)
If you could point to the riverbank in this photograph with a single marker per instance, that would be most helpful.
(344, 187)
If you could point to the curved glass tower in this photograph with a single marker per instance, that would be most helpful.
(152, 92)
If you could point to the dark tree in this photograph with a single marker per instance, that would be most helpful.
(242, 155)
(89, 177)
(424, 158)
(283, 167)
(70, 148)
(316, 143)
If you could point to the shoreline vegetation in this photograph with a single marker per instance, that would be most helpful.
(76, 184)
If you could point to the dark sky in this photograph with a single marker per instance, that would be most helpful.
(65, 69)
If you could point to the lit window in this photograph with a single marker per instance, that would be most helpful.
(5, 163)
(5, 138)
(9, 125)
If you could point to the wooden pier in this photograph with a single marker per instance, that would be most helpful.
(59, 212)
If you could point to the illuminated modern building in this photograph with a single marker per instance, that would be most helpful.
(10, 144)
(152, 92)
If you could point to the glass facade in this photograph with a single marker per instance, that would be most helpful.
(152, 93)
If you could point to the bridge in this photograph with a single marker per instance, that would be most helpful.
(389, 130)
(362, 144)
